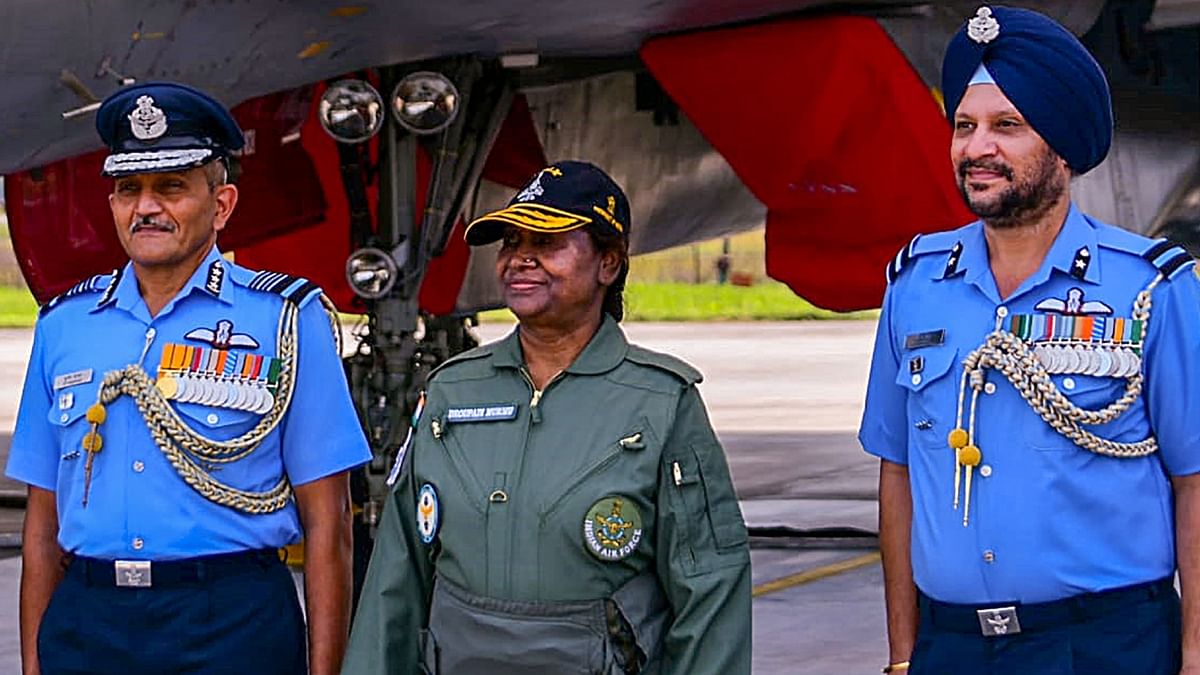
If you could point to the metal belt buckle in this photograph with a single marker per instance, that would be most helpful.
(999, 621)
(133, 573)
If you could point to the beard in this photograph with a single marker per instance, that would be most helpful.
(1025, 198)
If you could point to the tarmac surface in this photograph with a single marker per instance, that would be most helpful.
(785, 399)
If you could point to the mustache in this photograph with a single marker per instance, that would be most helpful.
(151, 222)
(967, 164)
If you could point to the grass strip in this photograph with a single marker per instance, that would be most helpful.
(17, 308)
(767, 301)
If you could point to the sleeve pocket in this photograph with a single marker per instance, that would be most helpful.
(708, 513)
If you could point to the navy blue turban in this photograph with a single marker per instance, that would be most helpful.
(1047, 74)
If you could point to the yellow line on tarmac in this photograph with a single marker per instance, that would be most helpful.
(816, 574)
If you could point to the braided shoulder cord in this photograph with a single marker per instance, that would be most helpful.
(1015, 360)
(180, 443)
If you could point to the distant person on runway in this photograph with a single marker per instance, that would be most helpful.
(1033, 395)
(182, 419)
(565, 506)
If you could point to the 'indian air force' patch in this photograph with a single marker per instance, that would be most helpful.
(612, 528)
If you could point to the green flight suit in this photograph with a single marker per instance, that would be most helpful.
(513, 490)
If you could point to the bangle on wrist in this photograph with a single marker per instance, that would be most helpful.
(895, 667)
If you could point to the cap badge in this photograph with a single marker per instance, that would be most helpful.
(147, 122)
(983, 27)
(534, 189)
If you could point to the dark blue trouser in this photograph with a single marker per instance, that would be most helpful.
(1139, 637)
(237, 618)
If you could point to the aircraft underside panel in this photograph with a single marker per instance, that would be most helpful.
(829, 126)
(680, 189)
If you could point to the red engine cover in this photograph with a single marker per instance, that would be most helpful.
(829, 126)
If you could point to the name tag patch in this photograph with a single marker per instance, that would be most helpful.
(72, 379)
(485, 413)
(931, 338)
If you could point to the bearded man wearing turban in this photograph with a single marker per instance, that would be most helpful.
(1033, 394)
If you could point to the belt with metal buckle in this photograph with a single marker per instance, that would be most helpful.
(155, 573)
(133, 573)
(1015, 618)
(999, 621)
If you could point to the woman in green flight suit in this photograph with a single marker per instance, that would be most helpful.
(565, 506)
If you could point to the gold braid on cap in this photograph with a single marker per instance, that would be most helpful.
(1014, 358)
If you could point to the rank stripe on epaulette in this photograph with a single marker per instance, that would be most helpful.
(302, 292)
(264, 280)
(1172, 264)
(901, 260)
(1167, 257)
(282, 284)
(89, 285)
(1160, 247)
(293, 289)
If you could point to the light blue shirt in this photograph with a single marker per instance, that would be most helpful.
(1047, 519)
(138, 506)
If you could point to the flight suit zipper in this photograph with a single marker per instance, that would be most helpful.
(535, 412)
(535, 417)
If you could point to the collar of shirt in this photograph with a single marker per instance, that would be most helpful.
(129, 298)
(1076, 235)
(604, 352)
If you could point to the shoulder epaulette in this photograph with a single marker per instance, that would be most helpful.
(666, 362)
(921, 244)
(296, 290)
(469, 355)
(1168, 258)
(94, 284)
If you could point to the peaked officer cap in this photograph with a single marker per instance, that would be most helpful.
(157, 127)
(1044, 70)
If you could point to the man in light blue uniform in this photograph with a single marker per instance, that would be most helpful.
(182, 419)
(1033, 396)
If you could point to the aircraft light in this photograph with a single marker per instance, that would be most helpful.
(371, 272)
(425, 102)
(351, 111)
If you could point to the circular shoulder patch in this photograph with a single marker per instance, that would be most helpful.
(428, 513)
(612, 528)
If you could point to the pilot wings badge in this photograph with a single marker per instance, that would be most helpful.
(1073, 305)
(223, 337)
(147, 122)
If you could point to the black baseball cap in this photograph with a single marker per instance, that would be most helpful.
(562, 197)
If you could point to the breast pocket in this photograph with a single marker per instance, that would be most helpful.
(219, 424)
(636, 442)
(932, 378)
(1089, 393)
(71, 426)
